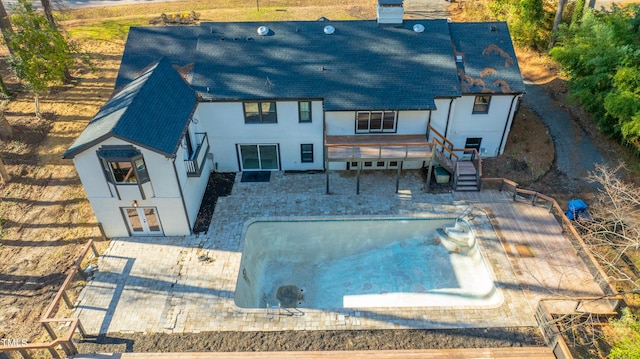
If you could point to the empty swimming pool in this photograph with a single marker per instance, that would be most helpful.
(362, 263)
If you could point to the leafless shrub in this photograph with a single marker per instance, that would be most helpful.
(611, 230)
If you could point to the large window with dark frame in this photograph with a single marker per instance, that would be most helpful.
(306, 153)
(304, 111)
(376, 121)
(260, 112)
(123, 165)
(481, 104)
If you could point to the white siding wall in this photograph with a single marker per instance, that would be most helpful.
(107, 208)
(439, 116)
(192, 187)
(224, 122)
(343, 123)
(412, 122)
(464, 124)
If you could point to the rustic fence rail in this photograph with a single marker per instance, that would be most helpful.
(48, 321)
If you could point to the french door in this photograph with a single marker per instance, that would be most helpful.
(143, 221)
(258, 157)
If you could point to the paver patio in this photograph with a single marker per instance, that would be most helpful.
(186, 284)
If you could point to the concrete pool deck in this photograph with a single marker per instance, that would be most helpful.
(186, 284)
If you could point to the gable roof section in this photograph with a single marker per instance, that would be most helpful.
(151, 111)
(360, 66)
(489, 60)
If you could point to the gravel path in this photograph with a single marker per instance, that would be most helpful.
(576, 153)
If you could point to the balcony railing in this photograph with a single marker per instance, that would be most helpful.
(196, 163)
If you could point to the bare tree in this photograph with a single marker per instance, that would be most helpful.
(5, 129)
(557, 20)
(612, 230)
(5, 22)
(5, 25)
(4, 91)
(4, 175)
(48, 11)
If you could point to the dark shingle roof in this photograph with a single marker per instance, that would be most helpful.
(490, 64)
(360, 66)
(152, 111)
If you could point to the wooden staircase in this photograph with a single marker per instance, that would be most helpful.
(466, 170)
(466, 177)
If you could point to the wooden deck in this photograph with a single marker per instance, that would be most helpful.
(482, 353)
(378, 147)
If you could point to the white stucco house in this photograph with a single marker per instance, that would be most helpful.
(299, 95)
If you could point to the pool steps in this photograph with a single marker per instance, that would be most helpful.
(456, 237)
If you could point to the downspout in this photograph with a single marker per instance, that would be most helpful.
(325, 162)
(325, 150)
(446, 127)
(429, 125)
(184, 205)
(506, 124)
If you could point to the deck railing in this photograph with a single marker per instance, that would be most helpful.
(197, 161)
(73, 325)
(354, 150)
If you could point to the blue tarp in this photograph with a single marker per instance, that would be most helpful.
(575, 208)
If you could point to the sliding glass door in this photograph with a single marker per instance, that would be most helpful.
(258, 157)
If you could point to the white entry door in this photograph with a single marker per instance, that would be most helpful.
(143, 221)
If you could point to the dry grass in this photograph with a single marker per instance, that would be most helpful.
(242, 7)
(112, 23)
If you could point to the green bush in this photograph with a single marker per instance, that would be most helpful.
(626, 336)
(600, 53)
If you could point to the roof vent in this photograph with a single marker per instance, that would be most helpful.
(418, 28)
(493, 28)
(263, 30)
(329, 29)
(458, 58)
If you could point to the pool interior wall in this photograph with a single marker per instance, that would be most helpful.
(359, 263)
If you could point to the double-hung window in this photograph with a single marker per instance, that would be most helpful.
(481, 104)
(304, 111)
(123, 165)
(260, 112)
(306, 153)
(376, 121)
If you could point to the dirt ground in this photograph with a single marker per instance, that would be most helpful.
(45, 216)
(315, 340)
